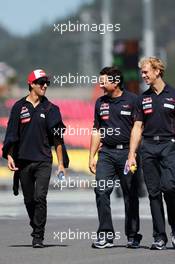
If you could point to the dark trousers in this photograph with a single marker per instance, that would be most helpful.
(34, 178)
(110, 163)
(159, 173)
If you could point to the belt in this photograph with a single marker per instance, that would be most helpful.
(118, 146)
(160, 138)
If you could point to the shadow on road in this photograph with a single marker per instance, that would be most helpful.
(50, 245)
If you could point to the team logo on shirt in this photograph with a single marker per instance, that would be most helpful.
(148, 111)
(147, 100)
(146, 106)
(169, 103)
(24, 110)
(169, 106)
(104, 114)
(42, 115)
(105, 117)
(104, 106)
(25, 115)
(104, 111)
(125, 112)
(170, 99)
(126, 106)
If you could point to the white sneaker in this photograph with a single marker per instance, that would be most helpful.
(102, 243)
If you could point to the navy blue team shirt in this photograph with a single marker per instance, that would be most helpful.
(30, 129)
(157, 112)
(114, 118)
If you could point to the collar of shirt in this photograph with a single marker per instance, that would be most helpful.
(166, 89)
(117, 99)
(44, 101)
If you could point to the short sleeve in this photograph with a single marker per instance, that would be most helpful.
(97, 119)
(134, 102)
(138, 110)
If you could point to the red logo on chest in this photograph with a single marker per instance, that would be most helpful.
(148, 111)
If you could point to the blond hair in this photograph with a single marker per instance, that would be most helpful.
(155, 63)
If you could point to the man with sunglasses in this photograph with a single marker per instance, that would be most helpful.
(30, 134)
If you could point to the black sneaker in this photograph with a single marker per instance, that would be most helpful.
(134, 242)
(102, 243)
(159, 244)
(37, 243)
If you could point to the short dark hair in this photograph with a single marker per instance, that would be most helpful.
(114, 73)
(30, 88)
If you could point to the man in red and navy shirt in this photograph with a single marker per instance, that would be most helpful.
(35, 124)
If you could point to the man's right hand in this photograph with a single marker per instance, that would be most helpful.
(92, 165)
(132, 160)
(11, 163)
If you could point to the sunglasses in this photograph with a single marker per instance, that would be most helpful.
(42, 82)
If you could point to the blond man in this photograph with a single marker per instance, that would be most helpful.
(155, 122)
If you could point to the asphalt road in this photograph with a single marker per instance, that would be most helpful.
(71, 226)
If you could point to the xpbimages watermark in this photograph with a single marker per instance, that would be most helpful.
(83, 235)
(78, 79)
(85, 27)
(81, 131)
(85, 183)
